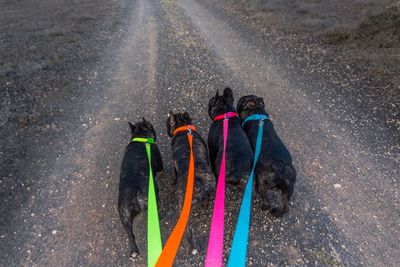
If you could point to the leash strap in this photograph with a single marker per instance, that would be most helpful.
(237, 256)
(154, 245)
(171, 247)
(216, 240)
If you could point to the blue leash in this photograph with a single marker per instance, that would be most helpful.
(237, 256)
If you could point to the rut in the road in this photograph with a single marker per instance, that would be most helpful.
(90, 225)
(324, 151)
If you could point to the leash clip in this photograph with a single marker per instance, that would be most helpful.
(226, 116)
(261, 122)
(189, 131)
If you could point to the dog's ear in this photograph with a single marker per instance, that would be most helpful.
(147, 123)
(260, 102)
(228, 93)
(170, 123)
(217, 94)
(186, 116)
(133, 127)
(171, 119)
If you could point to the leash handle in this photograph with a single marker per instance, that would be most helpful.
(238, 253)
(154, 245)
(216, 239)
(171, 247)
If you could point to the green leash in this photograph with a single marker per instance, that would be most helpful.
(154, 245)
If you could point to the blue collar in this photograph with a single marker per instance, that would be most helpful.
(256, 117)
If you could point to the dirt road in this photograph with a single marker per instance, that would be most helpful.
(60, 164)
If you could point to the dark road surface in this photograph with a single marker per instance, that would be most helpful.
(173, 55)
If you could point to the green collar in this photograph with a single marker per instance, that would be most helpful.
(143, 140)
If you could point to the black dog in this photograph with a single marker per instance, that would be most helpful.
(274, 170)
(134, 179)
(204, 184)
(239, 155)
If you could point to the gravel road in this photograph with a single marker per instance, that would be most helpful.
(59, 170)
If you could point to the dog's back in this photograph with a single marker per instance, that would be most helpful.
(273, 149)
(204, 178)
(133, 185)
(275, 169)
(239, 155)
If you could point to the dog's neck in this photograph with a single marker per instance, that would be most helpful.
(143, 136)
(180, 124)
(177, 126)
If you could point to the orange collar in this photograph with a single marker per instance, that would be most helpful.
(190, 128)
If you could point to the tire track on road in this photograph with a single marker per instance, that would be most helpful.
(201, 72)
(88, 227)
(322, 150)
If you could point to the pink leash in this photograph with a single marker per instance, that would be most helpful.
(215, 248)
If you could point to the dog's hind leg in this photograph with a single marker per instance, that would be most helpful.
(190, 241)
(127, 212)
(194, 241)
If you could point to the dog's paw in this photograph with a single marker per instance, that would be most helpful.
(187, 247)
(200, 244)
(134, 255)
(195, 244)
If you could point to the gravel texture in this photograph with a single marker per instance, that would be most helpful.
(72, 73)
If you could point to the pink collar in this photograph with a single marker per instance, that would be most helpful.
(225, 116)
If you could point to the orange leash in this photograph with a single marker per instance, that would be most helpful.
(170, 249)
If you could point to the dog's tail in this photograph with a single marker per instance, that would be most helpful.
(285, 185)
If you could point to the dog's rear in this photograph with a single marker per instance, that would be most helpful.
(280, 177)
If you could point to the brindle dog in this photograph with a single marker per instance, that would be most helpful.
(274, 170)
(134, 179)
(204, 184)
(239, 155)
